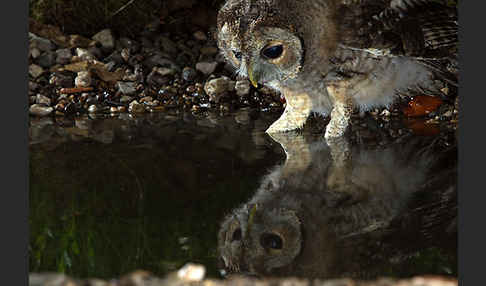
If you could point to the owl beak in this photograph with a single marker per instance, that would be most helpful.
(254, 77)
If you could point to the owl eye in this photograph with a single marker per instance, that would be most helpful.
(237, 55)
(271, 240)
(273, 52)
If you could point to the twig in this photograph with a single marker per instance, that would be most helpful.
(122, 8)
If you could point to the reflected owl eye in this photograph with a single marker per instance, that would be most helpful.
(273, 52)
(237, 55)
(271, 240)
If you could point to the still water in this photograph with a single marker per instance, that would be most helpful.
(114, 194)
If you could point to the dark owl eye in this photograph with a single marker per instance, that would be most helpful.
(271, 240)
(237, 55)
(273, 52)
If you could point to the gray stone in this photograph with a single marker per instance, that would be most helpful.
(35, 70)
(154, 78)
(83, 79)
(92, 108)
(62, 80)
(34, 52)
(206, 68)
(127, 88)
(42, 44)
(40, 110)
(105, 38)
(158, 59)
(242, 87)
(84, 54)
(135, 107)
(47, 59)
(189, 74)
(42, 99)
(63, 56)
(163, 71)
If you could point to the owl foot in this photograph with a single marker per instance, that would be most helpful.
(340, 116)
(289, 120)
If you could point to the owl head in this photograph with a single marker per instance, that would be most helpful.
(272, 41)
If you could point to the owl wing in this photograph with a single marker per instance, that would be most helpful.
(426, 28)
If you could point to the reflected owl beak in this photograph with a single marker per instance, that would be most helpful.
(254, 77)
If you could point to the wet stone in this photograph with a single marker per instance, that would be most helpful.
(136, 107)
(40, 110)
(40, 43)
(43, 100)
(35, 70)
(189, 74)
(163, 71)
(83, 79)
(125, 99)
(126, 88)
(84, 54)
(93, 108)
(63, 56)
(47, 59)
(34, 52)
(105, 38)
(206, 68)
(154, 78)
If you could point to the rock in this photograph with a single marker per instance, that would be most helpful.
(92, 108)
(191, 272)
(34, 52)
(242, 87)
(42, 44)
(200, 36)
(42, 100)
(159, 60)
(163, 71)
(206, 68)
(105, 38)
(189, 74)
(47, 59)
(127, 88)
(125, 54)
(40, 110)
(385, 113)
(146, 99)
(35, 70)
(63, 56)
(154, 78)
(84, 54)
(135, 107)
(83, 79)
(214, 88)
(61, 80)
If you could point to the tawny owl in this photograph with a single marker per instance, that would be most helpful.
(330, 56)
(298, 224)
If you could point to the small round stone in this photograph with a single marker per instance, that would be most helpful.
(83, 79)
(40, 110)
(189, 74)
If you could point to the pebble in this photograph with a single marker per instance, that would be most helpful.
(191, 272)
(385, 113)
(40, 110)
(135, 107)
(92, 108)
(63, 56)
(217, 86)
(84, 54)
(125, 99)
(200, 36)
(127, 88)
(34, 52)
(43, 100)
(154, 78)
(35, 70)
(47, 59)
(125, 54)
(83, 79)
(61, 80)
(163, 71)
(206, 68)
(242, 87)
(189, 74)
(105, 38)
(40, 43)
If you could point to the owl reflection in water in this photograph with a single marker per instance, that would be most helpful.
(299, 224)
(330, 56)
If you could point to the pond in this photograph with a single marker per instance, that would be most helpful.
(109, 195)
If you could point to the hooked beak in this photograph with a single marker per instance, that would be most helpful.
(254, 76)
